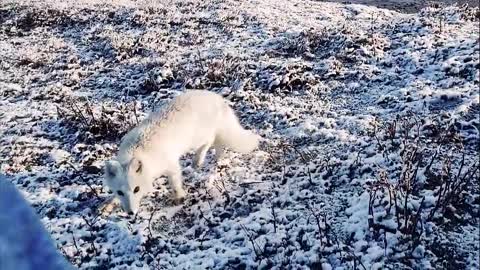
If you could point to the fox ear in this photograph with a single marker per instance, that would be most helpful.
(136, 165)
(111, 168)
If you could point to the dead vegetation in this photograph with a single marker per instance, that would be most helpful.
(288, 79)
(343, 43)
(20, 19)
(216, 72)
(432, 183)
(158, 78)
(94, 123)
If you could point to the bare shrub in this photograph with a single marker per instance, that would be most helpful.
(304, 43)
(103, 122)
(126, 45)
(341, 42)
(287, 79)
(158, 78)
(440, 166)
(223, 71)
(21, 19)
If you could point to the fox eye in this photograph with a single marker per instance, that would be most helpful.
(137, 189)
(120, 193)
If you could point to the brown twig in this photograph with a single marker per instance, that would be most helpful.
(94, 192)
(256, 247)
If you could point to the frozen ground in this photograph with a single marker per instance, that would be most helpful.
(370, 120)
(408, 6)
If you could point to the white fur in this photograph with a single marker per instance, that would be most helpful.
(195, 120)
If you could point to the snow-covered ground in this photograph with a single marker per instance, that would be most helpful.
(370, 120)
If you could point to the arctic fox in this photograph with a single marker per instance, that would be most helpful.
(195, 120)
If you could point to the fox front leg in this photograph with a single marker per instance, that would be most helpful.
(176, 182)
(200, 155)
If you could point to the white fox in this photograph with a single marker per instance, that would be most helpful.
(195, 120)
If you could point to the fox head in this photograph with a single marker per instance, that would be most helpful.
(129, 182)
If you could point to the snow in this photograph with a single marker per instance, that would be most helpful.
(321, 82)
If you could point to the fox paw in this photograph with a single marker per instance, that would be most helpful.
(108, 206)
(178, 201)
(179, 196)
(197, 165)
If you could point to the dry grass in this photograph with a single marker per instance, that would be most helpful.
(102, 122)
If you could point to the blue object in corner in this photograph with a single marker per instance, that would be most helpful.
(24, 242)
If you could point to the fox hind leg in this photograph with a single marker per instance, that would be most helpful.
(219, 150)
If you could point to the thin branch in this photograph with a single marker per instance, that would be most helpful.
(84, 180)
